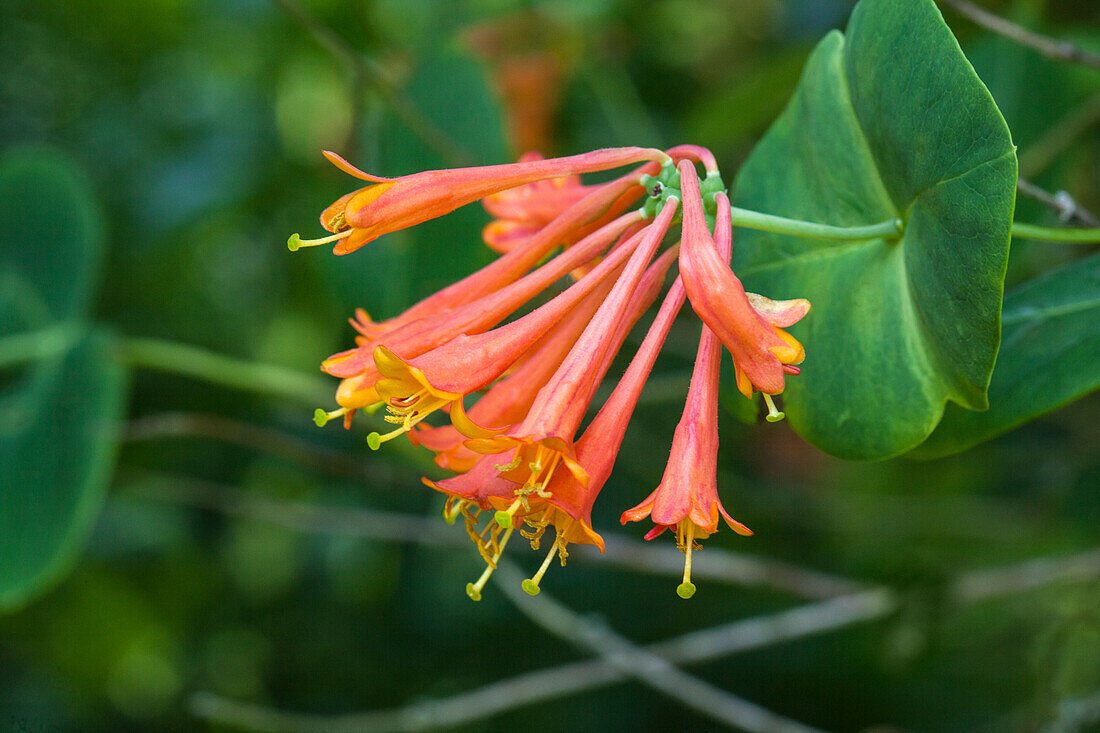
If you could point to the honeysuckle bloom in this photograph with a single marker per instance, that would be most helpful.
(516, 394)
(687, 497)
(545, 437)
(389, 204)
(599, 208)
(509, 400)
(414, 388)
(752, 330)
(422, 335)
(570, 501)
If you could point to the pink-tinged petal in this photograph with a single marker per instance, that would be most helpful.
(782, 313)
(759, 350)
(416, 198)
(417, 337)
(559, 407)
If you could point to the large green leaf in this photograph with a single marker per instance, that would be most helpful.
(51, 240)
(1050, 355)
(58, 437)
(889, 120)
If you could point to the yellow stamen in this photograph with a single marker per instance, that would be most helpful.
(453, 508)
(407, 417)
(295, 241)
(473, 590)
(687, 588)
(531, 585)
(774, 415)
(321, 417)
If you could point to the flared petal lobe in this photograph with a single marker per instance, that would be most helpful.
(762, 352)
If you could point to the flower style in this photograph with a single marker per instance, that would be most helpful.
(516, 394)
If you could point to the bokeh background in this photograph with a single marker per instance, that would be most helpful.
(243, 554)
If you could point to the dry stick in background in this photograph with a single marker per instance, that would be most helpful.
(1055, 49)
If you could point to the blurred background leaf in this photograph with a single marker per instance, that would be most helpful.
(59, 439)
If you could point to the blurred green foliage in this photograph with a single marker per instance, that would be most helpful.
(198, 126)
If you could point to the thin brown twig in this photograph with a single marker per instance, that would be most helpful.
(693, 647)
(1061, 202)
(651, 669)
(715, 564)
(260, 438)
(369, 74)
(1055, 49)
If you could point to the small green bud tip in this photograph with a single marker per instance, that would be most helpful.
(450, 518)
(504, 519)
(374, 440)
(474, 593)
(685, 590)
(320, 417)
(776, 417)
(294, 242)
(530, 587)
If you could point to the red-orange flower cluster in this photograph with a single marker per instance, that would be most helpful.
(516, 394)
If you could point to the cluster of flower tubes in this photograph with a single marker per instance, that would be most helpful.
(519, 461)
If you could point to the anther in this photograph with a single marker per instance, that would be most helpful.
(295, 241)
(774, 415)
(452, 509)
(473, 590)
(531, 585)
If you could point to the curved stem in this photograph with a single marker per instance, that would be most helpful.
(250, 376)
(1055, 234)
(796, 227)
(168, 356)
(45, 343)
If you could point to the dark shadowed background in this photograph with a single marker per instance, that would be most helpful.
(243, 554)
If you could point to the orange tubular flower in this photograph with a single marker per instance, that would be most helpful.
(508, 401)
(389, 204)
(687, 497)
(530, 380)
(600, 207)
(750, 328)
(440, 378)
(545, 437)
(422, 335)
(570, 502)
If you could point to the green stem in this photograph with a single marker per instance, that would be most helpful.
(46, 343)
(891, 229)
(1055, 234)
(167, 356)
(250, 376)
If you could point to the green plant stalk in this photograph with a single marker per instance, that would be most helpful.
(242, 374)
(891, 229)
(182, 359)
(1055, 234)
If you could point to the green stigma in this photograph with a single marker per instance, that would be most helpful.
(294, 242)
(374, 440)
(504, 519)
(472, 592)
(685, 590)
(530, 587)
(320, 417)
